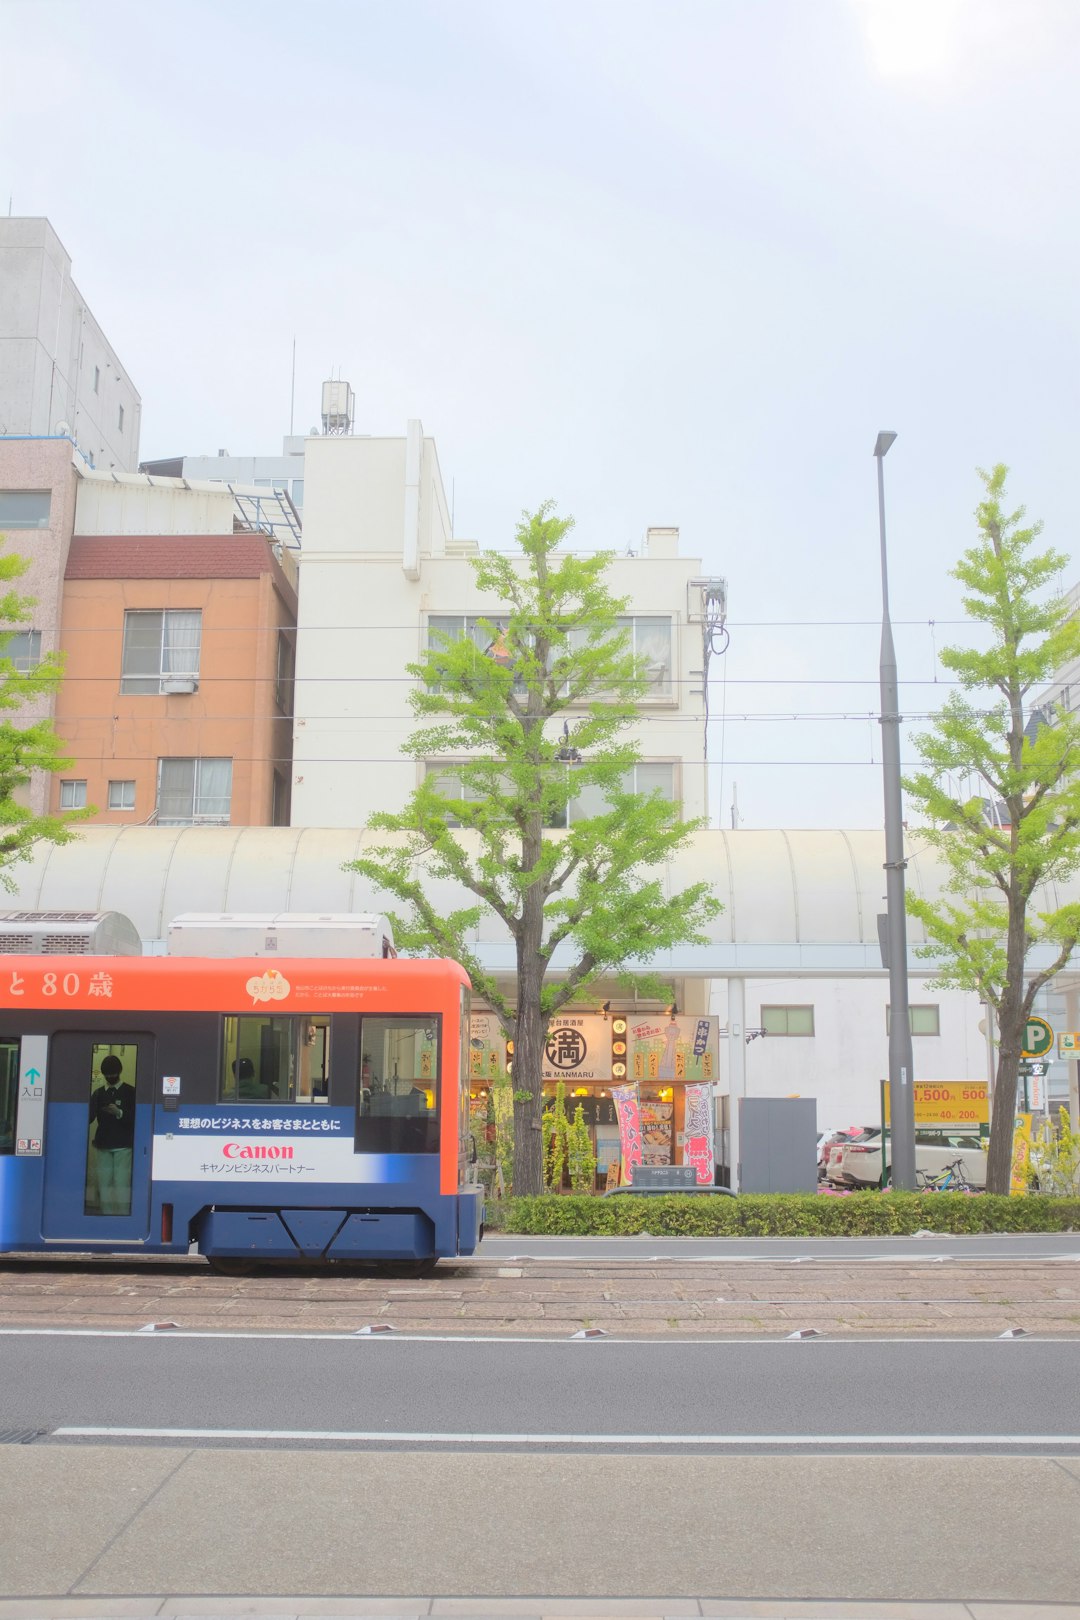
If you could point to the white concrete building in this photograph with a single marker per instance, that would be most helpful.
(59, 375)
(381, 571)
(284, 473)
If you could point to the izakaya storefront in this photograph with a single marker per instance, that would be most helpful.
(654, 1057)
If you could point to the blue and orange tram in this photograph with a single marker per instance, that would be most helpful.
(306, 1109)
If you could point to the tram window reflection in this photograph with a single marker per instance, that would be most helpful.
(398, 1101)
(9, 1092)
(110, 1129)
(268, 1059)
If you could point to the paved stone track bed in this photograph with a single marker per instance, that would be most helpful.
(547, 1298)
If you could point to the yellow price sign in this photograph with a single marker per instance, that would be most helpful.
(948, 1102)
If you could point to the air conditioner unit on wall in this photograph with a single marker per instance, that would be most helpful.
(175, 684)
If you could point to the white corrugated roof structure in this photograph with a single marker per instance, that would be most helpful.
(795, 903)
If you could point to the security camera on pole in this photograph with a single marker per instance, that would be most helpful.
(901, 1076)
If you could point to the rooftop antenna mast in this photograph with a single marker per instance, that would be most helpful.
(292, 391)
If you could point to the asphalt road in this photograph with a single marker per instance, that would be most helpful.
(972, 1395)
(984, 1246)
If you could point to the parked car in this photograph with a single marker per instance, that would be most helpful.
(858, 1164)
(835, 1151)
(832, 1139)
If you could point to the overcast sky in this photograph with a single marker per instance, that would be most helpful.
(669, 262)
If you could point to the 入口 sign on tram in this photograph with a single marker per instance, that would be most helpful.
(947, 1102)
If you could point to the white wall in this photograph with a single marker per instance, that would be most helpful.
(842, 1063)
(56, 364)
(362, 619)
(136, 504)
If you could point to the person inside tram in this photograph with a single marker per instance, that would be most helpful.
(112, 1114)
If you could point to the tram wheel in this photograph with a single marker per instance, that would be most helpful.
(231, 1266)
(412, 1268)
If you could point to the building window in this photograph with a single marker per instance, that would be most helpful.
(650, 642)
(286, 665)
(787, 1020)
(23, 649)
(649, 638)
(194, 792)
(72, 795)
(161, 651)
(647, 776)
(24, 509)
(120, 418)
(448, 782)
(121, 795)
(97, 378)
(924, 1020)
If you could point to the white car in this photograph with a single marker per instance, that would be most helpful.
(858, 1164)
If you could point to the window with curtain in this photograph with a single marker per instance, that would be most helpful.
(647, 776)
(194, 791)
(23, 648)
(160, 648)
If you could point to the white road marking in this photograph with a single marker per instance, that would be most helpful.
(435, 1437)
(349, 1336)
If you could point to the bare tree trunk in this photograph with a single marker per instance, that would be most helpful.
(531, 1033)
(528, 1082)
(1012, 1017)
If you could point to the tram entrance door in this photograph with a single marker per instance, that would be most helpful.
(98, 1136)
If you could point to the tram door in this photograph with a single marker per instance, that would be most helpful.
(98, 1137)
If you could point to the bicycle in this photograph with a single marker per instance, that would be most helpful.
(950, 1179)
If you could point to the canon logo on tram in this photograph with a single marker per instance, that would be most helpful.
(256, 1150)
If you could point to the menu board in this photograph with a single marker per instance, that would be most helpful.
(656, 1132)
(487, 1047)
(677, 1046)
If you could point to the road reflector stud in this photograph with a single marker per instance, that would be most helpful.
(158, 1327)
(590, 1333)
(804, 1333)
(1015, 1333)
(374, 1327)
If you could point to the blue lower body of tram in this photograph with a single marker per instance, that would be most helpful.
(245, 1186)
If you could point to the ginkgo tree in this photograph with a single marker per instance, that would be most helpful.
(1003, 844)
(535, 817)
(25, 746)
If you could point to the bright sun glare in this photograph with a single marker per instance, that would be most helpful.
(911, 38)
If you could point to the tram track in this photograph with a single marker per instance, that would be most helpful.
(716, 1296)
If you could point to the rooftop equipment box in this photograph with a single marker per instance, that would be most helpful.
(282, 933)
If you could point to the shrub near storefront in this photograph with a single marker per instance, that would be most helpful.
(782, 1215)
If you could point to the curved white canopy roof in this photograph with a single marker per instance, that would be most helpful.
(801, 902)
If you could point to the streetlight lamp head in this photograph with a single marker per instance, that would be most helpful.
(884, 443)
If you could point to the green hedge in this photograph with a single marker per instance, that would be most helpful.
(782, 1215)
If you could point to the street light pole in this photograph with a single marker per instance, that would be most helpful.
(901, 1075)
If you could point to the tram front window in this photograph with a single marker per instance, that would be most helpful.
(9, 1091)
(269, 1059)
(111, 1135)
(398, 1099)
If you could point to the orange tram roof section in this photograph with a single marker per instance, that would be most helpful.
(104, 984)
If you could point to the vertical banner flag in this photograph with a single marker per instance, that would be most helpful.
(1021, 1153)
(698, 1133)
(629, 1111)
